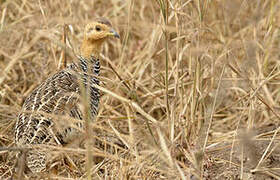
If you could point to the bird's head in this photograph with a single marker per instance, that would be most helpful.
(95, 34)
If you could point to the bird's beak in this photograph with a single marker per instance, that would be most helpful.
(114, 33)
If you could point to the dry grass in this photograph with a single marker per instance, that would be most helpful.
(192, 88)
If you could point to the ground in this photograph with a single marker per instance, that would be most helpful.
(190, 91)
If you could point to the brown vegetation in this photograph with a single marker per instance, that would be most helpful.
(191, 89)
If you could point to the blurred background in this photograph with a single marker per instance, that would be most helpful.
(202, 78)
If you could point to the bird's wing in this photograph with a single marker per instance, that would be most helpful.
(48, 107)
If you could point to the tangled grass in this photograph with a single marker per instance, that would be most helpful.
(191, 88)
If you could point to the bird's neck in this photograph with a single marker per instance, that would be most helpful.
(91, 48)
(89, 61)
(89, 66)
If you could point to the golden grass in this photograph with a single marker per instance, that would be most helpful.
(191, 89)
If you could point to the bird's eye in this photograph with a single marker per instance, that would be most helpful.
(97, 28)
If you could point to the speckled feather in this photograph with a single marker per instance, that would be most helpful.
(58, 95)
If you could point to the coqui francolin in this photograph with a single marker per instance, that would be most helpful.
(60, 95)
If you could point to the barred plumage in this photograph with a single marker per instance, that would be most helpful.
(59, 96)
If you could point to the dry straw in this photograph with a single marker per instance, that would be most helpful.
(190, 92)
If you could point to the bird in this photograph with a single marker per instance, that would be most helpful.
(61, 95)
